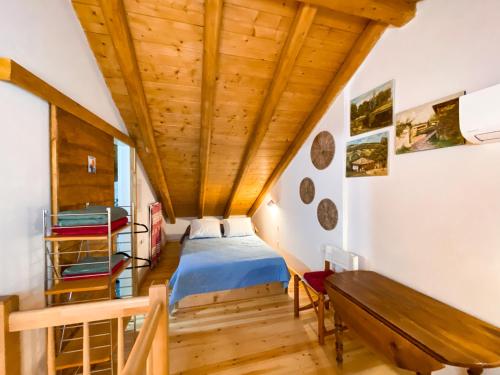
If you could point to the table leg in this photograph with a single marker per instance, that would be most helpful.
(339, 345)
(296, 296)
(475, 371)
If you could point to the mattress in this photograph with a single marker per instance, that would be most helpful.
(90, 267)
(90, 229)
(91, 215)
(215, 264)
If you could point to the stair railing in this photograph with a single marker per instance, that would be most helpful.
(148, 355)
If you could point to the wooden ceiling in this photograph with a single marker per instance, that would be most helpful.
(219, 95)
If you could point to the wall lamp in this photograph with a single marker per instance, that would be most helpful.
(271, 204)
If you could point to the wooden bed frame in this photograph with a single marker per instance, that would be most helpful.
(231, 295)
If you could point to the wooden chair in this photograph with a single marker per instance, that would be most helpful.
(313, 283)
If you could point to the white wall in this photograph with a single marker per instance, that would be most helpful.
(434, 222)
(24, 191)
(293, 225)
(47, 39)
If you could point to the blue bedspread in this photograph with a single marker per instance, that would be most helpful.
(214, 264)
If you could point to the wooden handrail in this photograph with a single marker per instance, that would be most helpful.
(151, 345)
(142, 347)
(77, 313)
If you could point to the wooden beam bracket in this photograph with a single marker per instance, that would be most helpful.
(12, 72)
(392, 12)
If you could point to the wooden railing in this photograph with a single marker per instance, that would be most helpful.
(150, 351)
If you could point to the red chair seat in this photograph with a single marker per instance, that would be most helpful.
(315, 280)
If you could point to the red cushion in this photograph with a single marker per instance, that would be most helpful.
(90, 229)
(315, 280)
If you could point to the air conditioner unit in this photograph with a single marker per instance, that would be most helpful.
(480, 115)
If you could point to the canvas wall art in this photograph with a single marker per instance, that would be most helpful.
(373, 110)
(429, 126)
(367, 156)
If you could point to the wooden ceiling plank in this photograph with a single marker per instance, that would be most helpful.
(295, 40)
(211, 36)
(357, 55)
(117, 24)
(392, 12)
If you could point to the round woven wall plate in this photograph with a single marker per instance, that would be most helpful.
(307, 190)
(328, 216)
(323, 150)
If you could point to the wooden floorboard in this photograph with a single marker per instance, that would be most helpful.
(257, 336)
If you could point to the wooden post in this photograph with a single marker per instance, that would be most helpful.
(51, 351)
(10, 346)
(159, 348)
(134, 239)
(86, 349)
(120, 348)
(321, 319)
(54, 187)
(296, 295)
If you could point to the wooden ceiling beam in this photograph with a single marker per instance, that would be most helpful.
(211, 36)
(12, 72)
(295, 40)
(391, 12)
(116, 21)
(357, 55)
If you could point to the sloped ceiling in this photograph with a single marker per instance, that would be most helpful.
(232, 88)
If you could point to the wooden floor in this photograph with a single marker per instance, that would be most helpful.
(258, 336)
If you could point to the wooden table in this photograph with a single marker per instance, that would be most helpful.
(414, 331)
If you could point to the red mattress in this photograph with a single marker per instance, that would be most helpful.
(90, 229)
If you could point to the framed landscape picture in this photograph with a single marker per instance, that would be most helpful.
(429, 126)
(367, 156)
(373, 110)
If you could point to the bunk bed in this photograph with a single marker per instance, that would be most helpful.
(221, 269)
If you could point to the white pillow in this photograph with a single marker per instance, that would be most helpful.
(238, 227)
(205, 228)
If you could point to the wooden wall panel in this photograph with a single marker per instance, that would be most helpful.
(76, 140)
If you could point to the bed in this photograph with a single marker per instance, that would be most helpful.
(241, 266)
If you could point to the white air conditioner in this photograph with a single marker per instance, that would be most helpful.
(480, 115)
